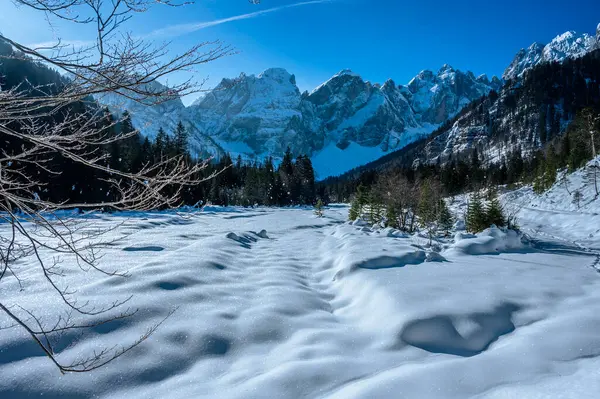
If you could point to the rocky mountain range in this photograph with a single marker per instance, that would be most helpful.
(262, 115)
(526, 115)
(255, 116)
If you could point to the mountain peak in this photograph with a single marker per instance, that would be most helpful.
(346, 72)
(483, 78)
(565, 36)
(279, 74)
(446, 68)
(535, 46)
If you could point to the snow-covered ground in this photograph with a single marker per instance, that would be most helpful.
(320, 308)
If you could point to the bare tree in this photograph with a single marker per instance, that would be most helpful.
(400, 196)
(41, 120)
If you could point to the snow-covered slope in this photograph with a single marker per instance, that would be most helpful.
(567, 45)
(264, 112)
(314, 307)
(557, 212)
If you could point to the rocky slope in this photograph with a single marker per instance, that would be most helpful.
(523, 116)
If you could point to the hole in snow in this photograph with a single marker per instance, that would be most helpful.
(439, 334)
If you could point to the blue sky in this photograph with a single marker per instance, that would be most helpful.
(378, 39)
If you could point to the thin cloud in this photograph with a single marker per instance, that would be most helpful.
(181, 29)
(177, 30)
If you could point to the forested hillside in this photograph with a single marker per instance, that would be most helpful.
(532, 125)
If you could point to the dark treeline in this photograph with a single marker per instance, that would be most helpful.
(236, 182)
(292, 182)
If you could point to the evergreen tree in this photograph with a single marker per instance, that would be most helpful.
(160, 145)
(181, 139)
(354, 212)
(427, 208)
(375, 208)
(392, 216)
(445, 219)
(494, 212)
(361, 199)
(476, 218)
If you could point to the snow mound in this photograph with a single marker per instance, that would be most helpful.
(489, 241)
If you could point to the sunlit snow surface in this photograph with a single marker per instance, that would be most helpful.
(320, 308)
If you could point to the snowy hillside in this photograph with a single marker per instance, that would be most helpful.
(316, 307)
(557, 212)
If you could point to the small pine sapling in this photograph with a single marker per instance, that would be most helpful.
(319, 208)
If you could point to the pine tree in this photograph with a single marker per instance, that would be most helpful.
(361, 199)
(391, 216)
(427, 209)
(160, 145)
(130, 145)
(494, 212)
(445, 219)
(181, 139)
(375, 209)
(551, 166)
(354, 212)
(476, 217)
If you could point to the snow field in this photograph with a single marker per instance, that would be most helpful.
(278, 303)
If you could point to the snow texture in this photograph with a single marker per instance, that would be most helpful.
(277, 303)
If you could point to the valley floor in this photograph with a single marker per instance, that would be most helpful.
(320, 308)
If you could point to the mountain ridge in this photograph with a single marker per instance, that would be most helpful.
(259, 115)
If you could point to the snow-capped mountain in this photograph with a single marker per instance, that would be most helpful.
(515, 122)
(346, 120)
(436, 97)
(255, 116)
(568, 45)
(265, 113)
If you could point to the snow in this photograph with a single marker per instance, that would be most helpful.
(554, 215)
(274, 303)
(489, 241)
(567, 45)
(333, 161)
